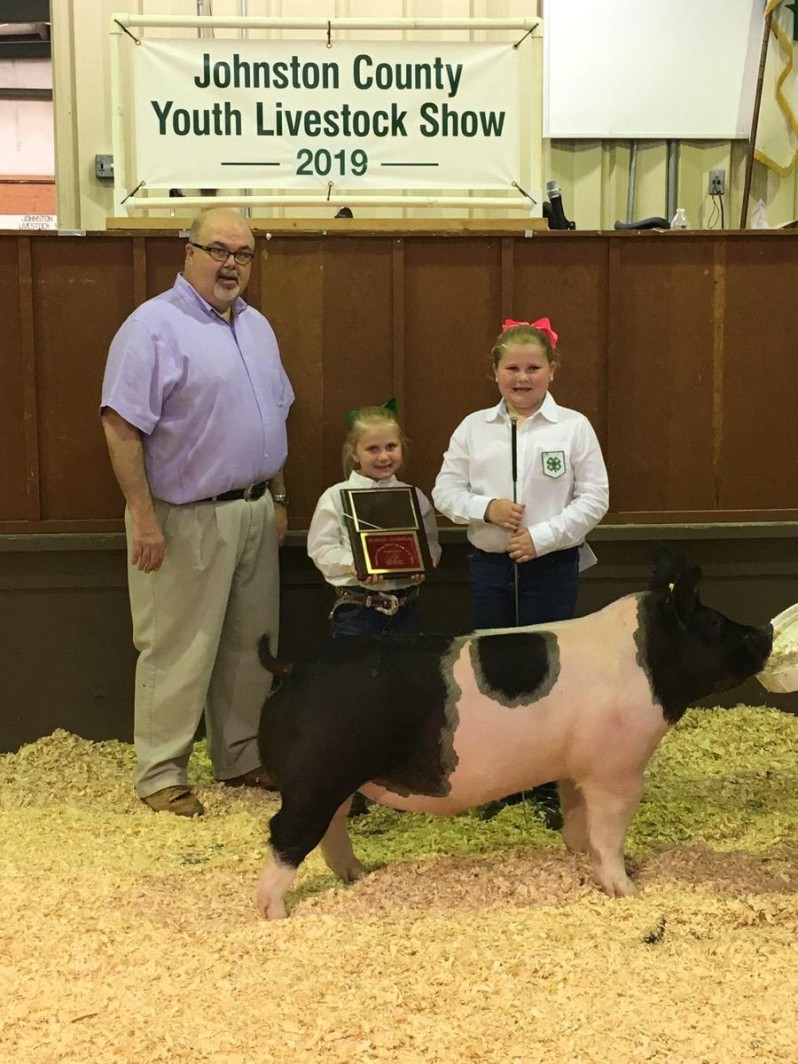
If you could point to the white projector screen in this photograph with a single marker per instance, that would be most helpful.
(658, 69)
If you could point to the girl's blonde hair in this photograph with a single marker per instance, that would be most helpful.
(522, 333)
(360, 421)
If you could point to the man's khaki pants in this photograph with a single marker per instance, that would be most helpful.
(196, 625)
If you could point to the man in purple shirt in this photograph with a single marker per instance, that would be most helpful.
(194, 408)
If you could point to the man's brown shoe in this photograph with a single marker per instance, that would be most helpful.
(178, 800)
(256, 777)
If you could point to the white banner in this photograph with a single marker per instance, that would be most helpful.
(297, 114)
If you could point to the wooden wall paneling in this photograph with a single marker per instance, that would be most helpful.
(33, 497)
(83, 291)
(291, 295)
(358, 337)
(453, 304)
(679, 347)
(139, 277)
(19, 497)
(661, 378)
(567, 283)
(614, 297)
(507, 281)
(601, 421)
(758, 462)
(398, 324)
(165, 257)
(718, 362)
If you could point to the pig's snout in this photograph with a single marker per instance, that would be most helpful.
(759, 644)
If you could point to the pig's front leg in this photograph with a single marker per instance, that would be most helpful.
(610, 809)
(275, 879)
(336, 848)
(574, 814)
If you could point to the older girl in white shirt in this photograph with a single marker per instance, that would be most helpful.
(527, 513)
(524, 535)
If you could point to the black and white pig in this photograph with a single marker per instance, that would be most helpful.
(441, 724)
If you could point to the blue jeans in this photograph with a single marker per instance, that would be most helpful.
(364, 620)
(547, 588)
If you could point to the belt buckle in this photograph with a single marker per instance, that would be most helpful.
(391, 608)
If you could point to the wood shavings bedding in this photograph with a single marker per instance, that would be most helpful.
(130, 938)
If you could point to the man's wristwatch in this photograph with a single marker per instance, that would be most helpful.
(280, 497)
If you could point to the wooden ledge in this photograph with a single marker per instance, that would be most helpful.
(344, 226)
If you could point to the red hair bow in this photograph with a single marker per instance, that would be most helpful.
(542, 323)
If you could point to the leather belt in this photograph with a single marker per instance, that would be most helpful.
(387, 602)
(251, 493)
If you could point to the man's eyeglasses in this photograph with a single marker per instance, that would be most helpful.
(221, 254)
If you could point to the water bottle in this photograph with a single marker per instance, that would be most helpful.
(530, 232)
(679, 220)
(759, 215)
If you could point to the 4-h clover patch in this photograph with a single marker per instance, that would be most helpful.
(553, 463)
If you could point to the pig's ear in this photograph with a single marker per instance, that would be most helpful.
(683, 593)
(668, 566)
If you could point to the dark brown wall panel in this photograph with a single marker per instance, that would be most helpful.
(568, 283)
(452, 303)
(82, 292)
(681, 348)
(13, 496)
(290, 293)
(165, 257)
(758, 465)
(661, 377)
(357, 354)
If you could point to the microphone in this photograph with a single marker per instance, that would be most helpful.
(553, 209)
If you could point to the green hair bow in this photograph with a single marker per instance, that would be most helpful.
(350, 415)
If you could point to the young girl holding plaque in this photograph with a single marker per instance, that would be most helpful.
(378, 604)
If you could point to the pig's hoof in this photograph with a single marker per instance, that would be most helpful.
(618, 888)
(270, 904)
(613, 880)
(353, 872)
(276, 912)
(272, 909)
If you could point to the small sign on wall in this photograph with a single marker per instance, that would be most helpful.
(28, 221)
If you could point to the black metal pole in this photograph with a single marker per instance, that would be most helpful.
(514, 452)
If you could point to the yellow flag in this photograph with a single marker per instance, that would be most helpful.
(777, 130)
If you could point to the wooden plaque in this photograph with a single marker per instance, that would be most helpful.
(386, 531)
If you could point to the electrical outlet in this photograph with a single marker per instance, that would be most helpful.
(104, 166)
(717, 183)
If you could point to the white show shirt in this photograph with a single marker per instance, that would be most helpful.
(328, 539)
(561, 477)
